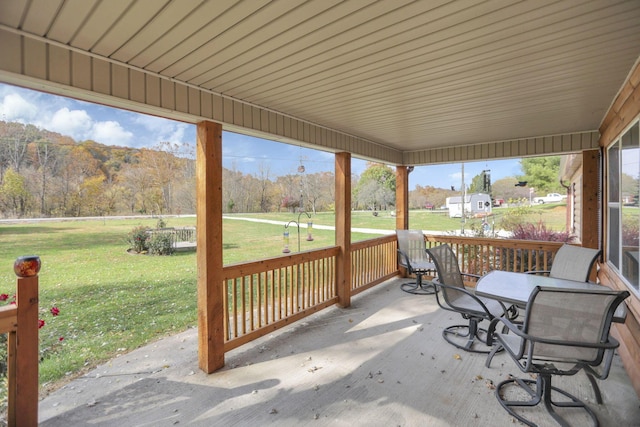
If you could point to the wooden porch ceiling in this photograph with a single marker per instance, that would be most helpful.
(403, 75)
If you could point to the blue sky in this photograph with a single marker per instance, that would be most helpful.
(83, 121)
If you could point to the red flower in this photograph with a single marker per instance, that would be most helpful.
(61, 338)
(4, 297)
(40, 323)
(54, 311)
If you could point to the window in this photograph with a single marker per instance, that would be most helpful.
(622, 205)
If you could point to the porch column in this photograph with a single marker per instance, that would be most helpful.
(209, 243)
(402, 197)
(343, 228)
(589, 203)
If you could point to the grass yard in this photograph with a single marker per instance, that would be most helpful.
(112, 302)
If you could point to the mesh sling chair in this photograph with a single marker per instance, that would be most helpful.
(453, 296)
(572, 263)
(564, 331)
(412, 255)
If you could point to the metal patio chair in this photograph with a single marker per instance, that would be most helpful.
(564, 331)
(453, 296)
(412, 255)
(571, 263)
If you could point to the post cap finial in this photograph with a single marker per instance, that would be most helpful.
(27, 266)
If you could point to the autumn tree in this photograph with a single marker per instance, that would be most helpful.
(290, 191)
(231, 189)
(320, 190)
(14, 141)
(45, 162)
(506, 189)
(264, 184)
(164, 166)
(76, 165)
(14, 195)
(420, 196)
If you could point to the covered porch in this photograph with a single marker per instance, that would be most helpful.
(382, 361)
(402, 83)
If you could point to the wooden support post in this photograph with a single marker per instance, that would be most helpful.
(402, 203)
(402, 197)
(24, 355)
(343, 228)
(209, 243)
(589, 207)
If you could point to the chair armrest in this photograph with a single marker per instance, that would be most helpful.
(620, 315)
(505, 310)
(512, 326)
(405, 260)
(608, 359)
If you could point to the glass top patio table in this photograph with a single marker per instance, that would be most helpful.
(515, 288)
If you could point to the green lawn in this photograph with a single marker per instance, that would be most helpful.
(112, 302)
(553, 215)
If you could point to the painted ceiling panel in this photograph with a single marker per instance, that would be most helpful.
(408, 75)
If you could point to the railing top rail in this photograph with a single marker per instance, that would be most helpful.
(243, 269)
(372, 242)
(502, 243)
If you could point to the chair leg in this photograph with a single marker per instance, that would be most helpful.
(596, 388)
(541, 393)
(419, 287)
(496, 348)
(470, 334)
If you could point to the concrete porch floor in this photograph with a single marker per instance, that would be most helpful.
(381, 362)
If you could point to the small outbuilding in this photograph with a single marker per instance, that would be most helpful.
(474, 205)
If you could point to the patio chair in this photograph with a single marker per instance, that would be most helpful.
(412, 255)
(455, 297)
(571, 263)
(564, 331)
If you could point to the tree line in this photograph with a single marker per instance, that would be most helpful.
(45, 174)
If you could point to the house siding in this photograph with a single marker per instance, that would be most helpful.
(624, 110)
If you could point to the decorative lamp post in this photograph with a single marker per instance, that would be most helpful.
(285, 238)
(309, 230)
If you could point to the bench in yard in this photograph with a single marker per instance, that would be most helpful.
(182, 238)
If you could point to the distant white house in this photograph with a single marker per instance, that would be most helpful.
(474, 205)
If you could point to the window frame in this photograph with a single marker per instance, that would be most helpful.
(619, 259)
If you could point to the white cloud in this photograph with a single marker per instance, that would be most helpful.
(15, 108)
(178, 133)
(159, 130)
(74, 123)
(111, 133)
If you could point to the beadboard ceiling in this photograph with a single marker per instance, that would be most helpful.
(407, 75)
